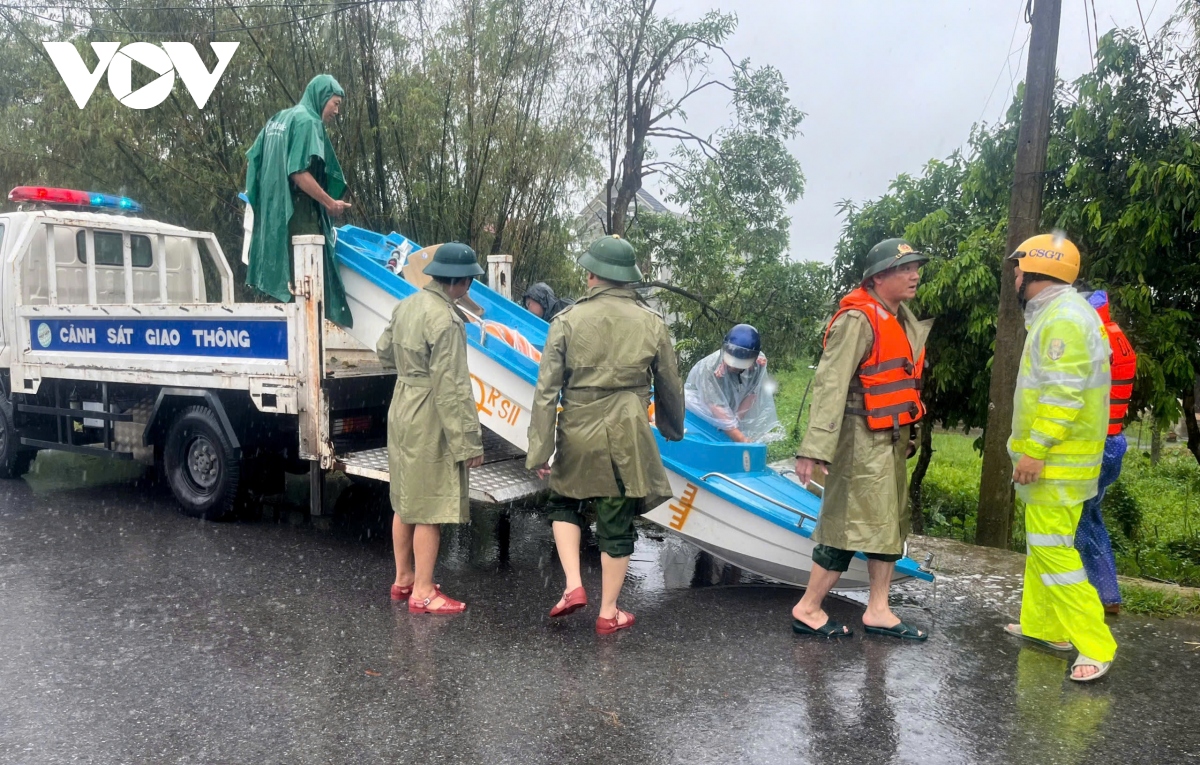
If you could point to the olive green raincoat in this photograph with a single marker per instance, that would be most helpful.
(604, 354)
(433, 425)
(864, 507)
(294, 140)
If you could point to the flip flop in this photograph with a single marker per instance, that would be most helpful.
(830, 629)
(899, 630)
(1102, 668)
(1015, 631)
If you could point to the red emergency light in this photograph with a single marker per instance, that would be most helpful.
(72, 197)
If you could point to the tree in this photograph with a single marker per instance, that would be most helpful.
(1132, 148)
(640, 51)
(727, 256)
(461, 119)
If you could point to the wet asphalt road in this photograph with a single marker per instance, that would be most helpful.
(129, 633)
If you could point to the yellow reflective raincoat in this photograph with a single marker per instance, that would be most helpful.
(603, 354)
(1060, 416)
(433, 425)
(1060, 409)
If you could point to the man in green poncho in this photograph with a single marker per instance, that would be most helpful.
(294, 184)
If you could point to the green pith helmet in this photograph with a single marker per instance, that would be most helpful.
(888, 254)
(612, 258)
(454, 259)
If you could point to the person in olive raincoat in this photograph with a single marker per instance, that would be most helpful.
(434, 436)
(603, 355)
(864, 502)
(294, 184)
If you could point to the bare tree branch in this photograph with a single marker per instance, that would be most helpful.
(705, 306)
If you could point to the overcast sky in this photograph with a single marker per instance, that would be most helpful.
(889, 84)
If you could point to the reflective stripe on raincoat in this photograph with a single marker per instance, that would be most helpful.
(1060, 407)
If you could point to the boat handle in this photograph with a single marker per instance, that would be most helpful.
(759, 494)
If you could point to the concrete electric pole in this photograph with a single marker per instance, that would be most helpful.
(994, 521)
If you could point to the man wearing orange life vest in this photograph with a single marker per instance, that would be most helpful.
(1091, 537)
(866, 397)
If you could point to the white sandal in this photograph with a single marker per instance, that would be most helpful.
(1083, 661)
(1015, 631)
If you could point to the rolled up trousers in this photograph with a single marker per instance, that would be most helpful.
(1058, 603)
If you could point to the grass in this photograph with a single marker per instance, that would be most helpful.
(1149, 601)
(792, 385)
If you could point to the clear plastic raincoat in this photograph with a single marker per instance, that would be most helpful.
(730, 399)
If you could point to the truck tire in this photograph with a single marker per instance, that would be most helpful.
(14, 460)
(200, 465)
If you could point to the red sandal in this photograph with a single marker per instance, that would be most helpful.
(609, 626)
(449, 605)
(403, 593)
(572, 602)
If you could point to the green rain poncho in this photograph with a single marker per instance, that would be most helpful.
(294, 140)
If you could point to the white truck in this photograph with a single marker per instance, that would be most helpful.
(120, 336)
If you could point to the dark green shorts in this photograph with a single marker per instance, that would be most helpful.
(615, 533)
(833, 559)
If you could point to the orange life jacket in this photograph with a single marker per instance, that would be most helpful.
(889, 378)
(1124, 369)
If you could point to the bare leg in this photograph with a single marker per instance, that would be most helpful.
(809, 610)
(613, 579)
(426, 540)
(879, 613)
(402, 548)
(566, 538)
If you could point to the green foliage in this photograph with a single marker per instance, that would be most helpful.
(1130, 198)
(462, 118)
(951, 489)
(1120, 505)
(1152, 601)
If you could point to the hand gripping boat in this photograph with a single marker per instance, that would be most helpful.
(727, 501)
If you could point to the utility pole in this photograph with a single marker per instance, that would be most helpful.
(994, 522)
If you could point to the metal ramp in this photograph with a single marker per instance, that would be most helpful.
(501, 479)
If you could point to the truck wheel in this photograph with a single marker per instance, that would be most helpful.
(14, 460)
(200, 465)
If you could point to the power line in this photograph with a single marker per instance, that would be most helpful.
(242, 28)
(1087, 32)
(1007, 59)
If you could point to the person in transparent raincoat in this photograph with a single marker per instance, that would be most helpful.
(730, 389)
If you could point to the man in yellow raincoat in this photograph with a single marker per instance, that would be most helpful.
(866, 397)
(603, 355)
(434, 436)
(1060, 420)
